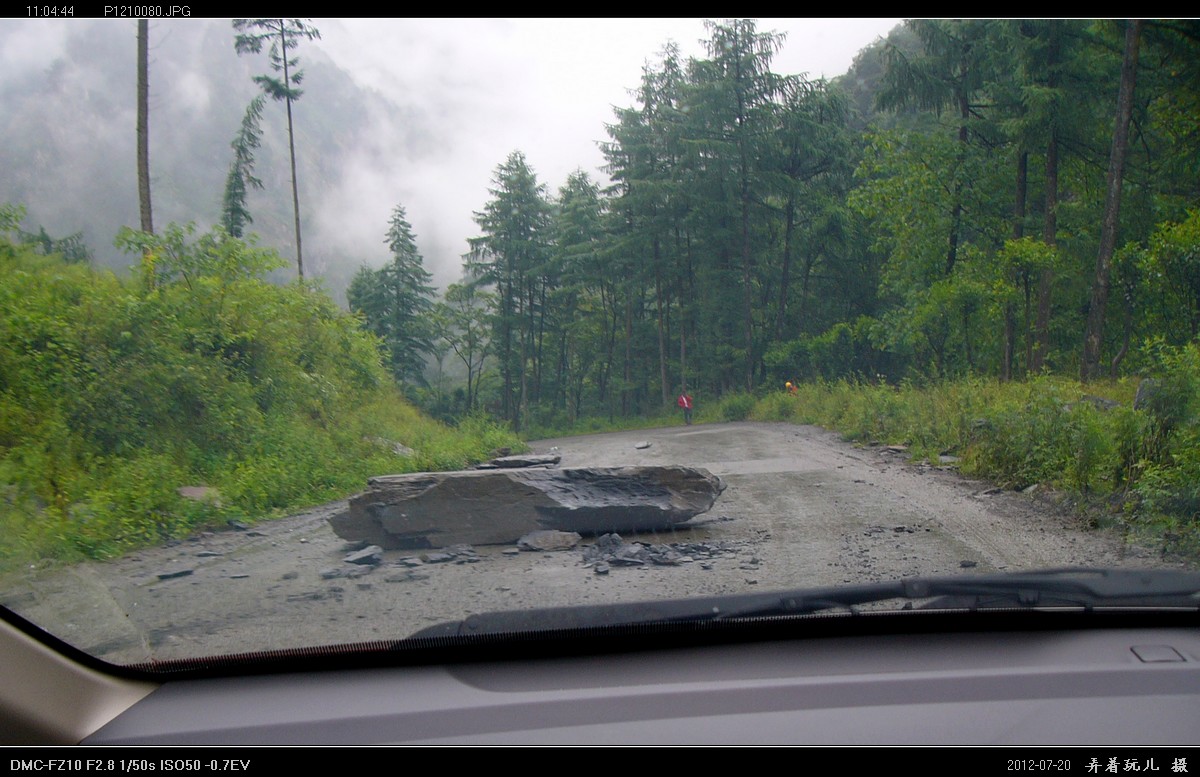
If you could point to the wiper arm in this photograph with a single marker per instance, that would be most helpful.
(1070, 587)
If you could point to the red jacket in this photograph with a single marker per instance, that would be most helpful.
(685, 402)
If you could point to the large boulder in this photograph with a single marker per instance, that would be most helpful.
(482, 507)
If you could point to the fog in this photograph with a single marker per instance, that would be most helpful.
(413, 112)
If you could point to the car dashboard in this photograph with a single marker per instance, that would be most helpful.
(900, 679)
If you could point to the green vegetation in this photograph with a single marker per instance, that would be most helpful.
(1140, 466)
(115, 393)
(919, 244)
(927, 245)
(934, 214)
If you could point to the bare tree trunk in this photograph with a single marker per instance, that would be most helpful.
(785, 272)
(292, 151)
(1010, 314)
(1049, 237)
(662, 332)
(1040, 340)
(627, 372)
(1089, 366)
(143, 123)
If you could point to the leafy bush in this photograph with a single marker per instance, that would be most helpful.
(736, 407)
(113, 394)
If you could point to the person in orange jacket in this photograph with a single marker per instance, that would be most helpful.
(791, 388)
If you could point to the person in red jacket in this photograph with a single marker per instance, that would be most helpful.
(685, 402)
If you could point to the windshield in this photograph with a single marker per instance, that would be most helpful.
(328, 331)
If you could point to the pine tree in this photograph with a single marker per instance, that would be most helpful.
(284, 35)
(511, 254)
(396, 302)
(234, 213)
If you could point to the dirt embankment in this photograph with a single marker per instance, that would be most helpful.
(802, 508)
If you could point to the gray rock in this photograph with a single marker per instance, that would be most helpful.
(174, 574)
(398, 448)
(526, 460)
(1101, 403)
(200, 494)
(641, 445)
(498, 507)
(549, 539)
(1146, 392)
(372, 555)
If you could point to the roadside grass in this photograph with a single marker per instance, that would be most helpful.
(1135, 469)
(1138, 469)
(135, 502)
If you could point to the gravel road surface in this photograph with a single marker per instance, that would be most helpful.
(802, 508)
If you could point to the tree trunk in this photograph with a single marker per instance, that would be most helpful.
(662, 331)
(143, 124)
(1089, 366)
(785, 271)
(291, 149)
(1010, 314)
(1041, 337)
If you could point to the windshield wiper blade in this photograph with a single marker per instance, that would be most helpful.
(1069, 587)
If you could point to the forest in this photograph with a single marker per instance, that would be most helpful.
(976, 203)
(997, 198)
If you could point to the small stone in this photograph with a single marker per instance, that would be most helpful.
(174, 574)
(549, 539)
(967, 564)
(405, 576)
(641, 445)
(371, 555)
(601, 569)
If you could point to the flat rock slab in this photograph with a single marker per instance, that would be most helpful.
(496, 507)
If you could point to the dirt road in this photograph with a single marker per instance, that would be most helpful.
(801, 508)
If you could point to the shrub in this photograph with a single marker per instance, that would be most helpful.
(736, 407)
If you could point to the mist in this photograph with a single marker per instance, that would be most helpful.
(412, 112)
